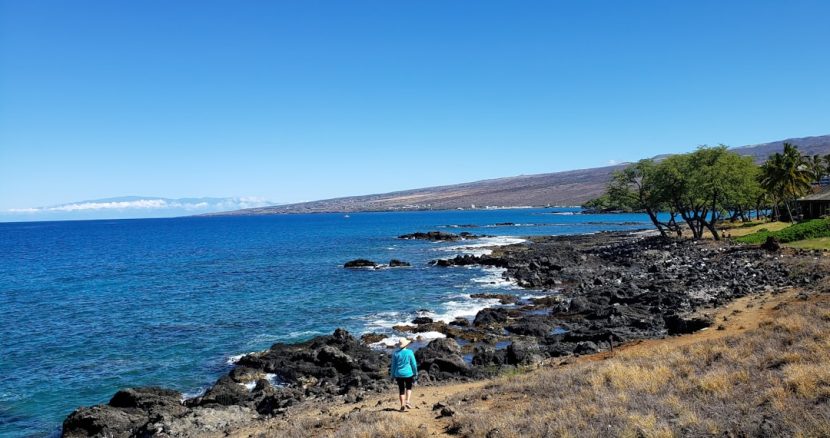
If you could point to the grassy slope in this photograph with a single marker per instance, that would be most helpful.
(768, 369)
(812, 229)
(754, 227)
(775, 378)
(822, 243)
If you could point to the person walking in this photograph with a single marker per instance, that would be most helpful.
(404, 370)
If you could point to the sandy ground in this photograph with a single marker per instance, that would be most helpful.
(739, 316)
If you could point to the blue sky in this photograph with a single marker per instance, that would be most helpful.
(303, 100)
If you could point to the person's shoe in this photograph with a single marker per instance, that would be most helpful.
(408, 406)
(403, 409)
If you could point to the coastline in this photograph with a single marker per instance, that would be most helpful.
(498, 339)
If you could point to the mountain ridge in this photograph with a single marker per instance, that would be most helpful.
(571, 187)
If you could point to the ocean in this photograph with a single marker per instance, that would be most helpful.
(88, 307)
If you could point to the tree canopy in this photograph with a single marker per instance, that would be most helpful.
(699, 187)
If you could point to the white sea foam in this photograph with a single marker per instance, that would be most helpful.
(385, 320)
(232, 360)
(304, 334)
(493, 279)
(465, 307)
(193, 394)
(530, 297)
(420, 338)
(272, 379)
(483, 247)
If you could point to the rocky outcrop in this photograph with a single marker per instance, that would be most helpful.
(128, 411)
(324, 366)
(368, 264)
(261, 384)
(360, 263)
(442, 359)
(469, 260)
(503, 298)
(612, 287)
(433, 236)
(491, 317)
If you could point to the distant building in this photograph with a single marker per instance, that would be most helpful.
(816, 205)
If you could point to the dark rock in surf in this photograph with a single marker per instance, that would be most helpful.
(434, 236)
(127, 411)
(491, 316)
(395, 263)
(503, 298)
(371, 338)
(470, 260)
(360, 263)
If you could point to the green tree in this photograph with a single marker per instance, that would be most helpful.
(638, 187)
(706, 184)
(786, 176)
(817, 167)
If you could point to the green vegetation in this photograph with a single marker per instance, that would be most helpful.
(699, 187)
(605, 204)
(821, 243)
(704, 188)
(753, 227)
(806, 230)
(786, 177)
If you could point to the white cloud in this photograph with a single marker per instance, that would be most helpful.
(120, 205)
(194, 205)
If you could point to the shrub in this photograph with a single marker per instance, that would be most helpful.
(805, 230)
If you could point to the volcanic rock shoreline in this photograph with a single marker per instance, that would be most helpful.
(595, 291)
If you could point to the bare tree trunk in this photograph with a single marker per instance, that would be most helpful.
(712, 230)
(653, 217)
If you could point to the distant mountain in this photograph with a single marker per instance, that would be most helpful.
(561, 188)
(129, 207)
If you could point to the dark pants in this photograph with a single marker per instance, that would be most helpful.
(404, 383)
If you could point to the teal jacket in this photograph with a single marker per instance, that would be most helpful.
(403, 364)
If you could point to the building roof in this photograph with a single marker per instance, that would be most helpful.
(823, 195)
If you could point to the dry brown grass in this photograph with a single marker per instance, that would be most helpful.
(354, 425)
(767, 373)
(775, 380)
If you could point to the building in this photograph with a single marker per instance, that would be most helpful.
(815, 205)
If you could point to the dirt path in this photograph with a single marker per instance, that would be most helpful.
(739, 316)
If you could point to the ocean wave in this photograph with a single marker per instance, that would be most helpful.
(385, 320)
(493, 279)
(303, 334)
(418, 340)
(273, 379)
(195, 393)
(463, 308)
(483, 245)
(232, 360)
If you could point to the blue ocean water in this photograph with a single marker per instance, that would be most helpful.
(89, 307)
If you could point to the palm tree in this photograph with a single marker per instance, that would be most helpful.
(817, 167)
(786, 176)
